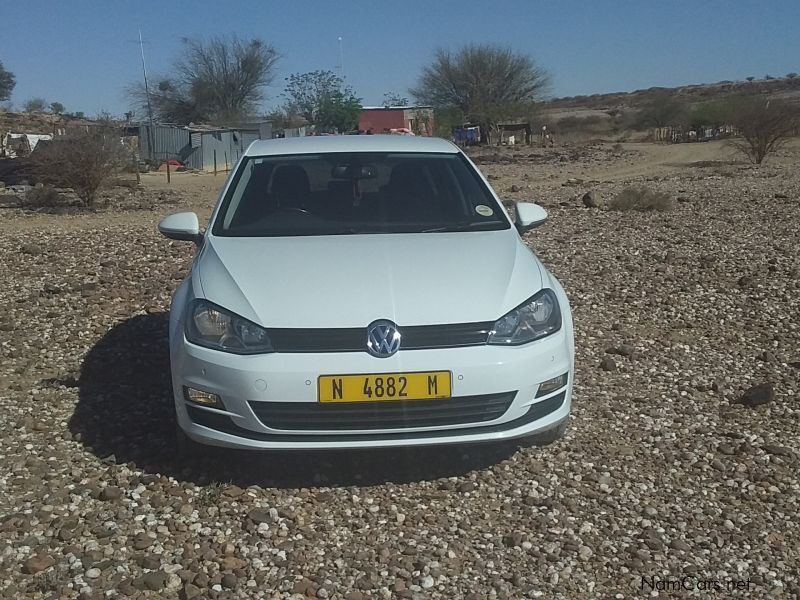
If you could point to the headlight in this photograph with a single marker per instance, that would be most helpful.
(535, 318)
(213, 327)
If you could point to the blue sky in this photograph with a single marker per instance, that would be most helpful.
(83, 53)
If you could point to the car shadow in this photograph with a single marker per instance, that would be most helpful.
(125, 415)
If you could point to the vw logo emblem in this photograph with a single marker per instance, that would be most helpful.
(383, 339)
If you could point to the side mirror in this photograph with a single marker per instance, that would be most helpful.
(181, 226)
(529, 216)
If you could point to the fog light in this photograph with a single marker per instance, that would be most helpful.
(551, 385)
(201, 397)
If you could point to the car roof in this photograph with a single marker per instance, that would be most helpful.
(350, 143)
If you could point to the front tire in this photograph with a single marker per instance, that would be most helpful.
(186, 447)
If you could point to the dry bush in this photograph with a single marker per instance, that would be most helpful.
(487, 83)
(641, 199)
(764, 125)
(43, 197)
(663, 110)
(125, 182)
(86, 163)
(588, 123)
(215, 80)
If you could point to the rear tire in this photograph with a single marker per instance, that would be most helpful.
(546, 437)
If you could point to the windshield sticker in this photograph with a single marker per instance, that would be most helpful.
(484, 210)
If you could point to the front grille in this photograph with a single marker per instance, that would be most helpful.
(225, 424)
(315, 416)
(354, 339)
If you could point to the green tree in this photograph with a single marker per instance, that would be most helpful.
(751, 78)
(339, 112)
(484, 82)
(305, 92)
(218, 80)
(56, 108)
(323, 99)
(35, 105)
(394, 99)
(446, 120)
(7, 83)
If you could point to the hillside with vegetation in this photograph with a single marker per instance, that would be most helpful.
(780, 87)
(624, 113)
(33, 122)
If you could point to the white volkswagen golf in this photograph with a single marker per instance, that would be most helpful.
(366, 291)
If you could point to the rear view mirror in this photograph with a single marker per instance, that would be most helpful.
(181, 226)
(354, 172)
(529, 215)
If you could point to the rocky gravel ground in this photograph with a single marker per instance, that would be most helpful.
(20, 201)
(671, 467)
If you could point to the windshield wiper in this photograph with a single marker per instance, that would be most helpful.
(463, 226)
(354, 230)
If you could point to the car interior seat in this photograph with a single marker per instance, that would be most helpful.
(409, 194)
(290, 186)
(340, 198)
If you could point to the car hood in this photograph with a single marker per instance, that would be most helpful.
(352, 280)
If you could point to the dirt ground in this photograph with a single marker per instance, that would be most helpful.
(199, 191)
(669, 470)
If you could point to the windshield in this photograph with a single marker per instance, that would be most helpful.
(350, 193)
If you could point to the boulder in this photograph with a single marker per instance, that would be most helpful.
(590, 200)
(763, 393)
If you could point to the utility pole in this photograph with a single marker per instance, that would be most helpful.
(150, 132)
(341, 58)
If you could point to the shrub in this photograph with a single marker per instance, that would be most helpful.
(86, 163)
(43, 197)
(641, 199)
(713, 113)
(35, 105)
(661, 111)
(764, 125)
(575, 123)
(124, 182)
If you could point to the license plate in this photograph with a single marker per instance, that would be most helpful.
(384, 387)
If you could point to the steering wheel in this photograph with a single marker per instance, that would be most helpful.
(296, 209)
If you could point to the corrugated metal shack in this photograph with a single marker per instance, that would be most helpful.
(203, 148)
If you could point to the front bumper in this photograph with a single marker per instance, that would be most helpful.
(243, 382)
